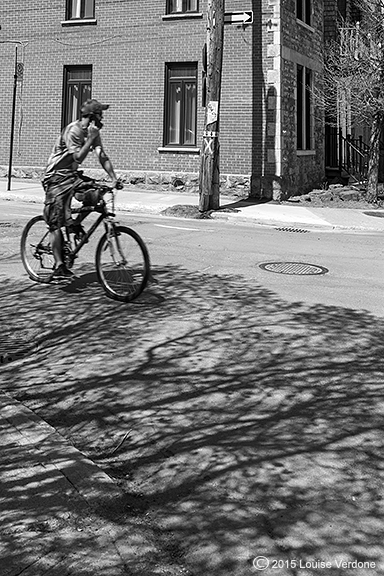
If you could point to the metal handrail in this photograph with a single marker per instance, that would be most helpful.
(348, 154)
(353, 155)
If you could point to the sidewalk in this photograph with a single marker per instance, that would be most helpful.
(60, 514)
(244, 212)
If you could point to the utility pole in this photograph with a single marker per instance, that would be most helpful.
(209, 181)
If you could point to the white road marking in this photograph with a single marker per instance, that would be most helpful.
(23, 215)
(177, 227)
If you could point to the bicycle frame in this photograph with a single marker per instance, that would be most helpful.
(105, 216)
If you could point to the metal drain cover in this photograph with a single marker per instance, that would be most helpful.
(299, 268)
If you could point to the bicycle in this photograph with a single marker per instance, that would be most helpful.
(121, 258)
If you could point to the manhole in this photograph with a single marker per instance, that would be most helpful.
(299, 268)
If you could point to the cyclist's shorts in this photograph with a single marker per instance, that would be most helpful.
(59, 188)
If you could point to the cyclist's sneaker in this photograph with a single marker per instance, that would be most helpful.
(62, 272)
(78, 231)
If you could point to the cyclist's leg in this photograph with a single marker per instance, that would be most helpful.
(57, 244)
(86, 192)
(52, 211)
(57, 214)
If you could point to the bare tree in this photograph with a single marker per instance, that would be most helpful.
(354, 78)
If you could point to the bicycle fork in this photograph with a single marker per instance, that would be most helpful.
(115, 249)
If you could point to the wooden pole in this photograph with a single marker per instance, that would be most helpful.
(12, 125)
(209, 181)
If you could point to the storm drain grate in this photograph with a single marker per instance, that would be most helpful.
(299, 268)
(290, 229)
(17, 345)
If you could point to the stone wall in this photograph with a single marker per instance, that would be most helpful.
(188, 182)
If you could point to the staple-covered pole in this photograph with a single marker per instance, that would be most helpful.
(209, 181)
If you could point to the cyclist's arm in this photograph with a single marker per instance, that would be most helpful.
(81, 154)
(76, 145)
(106, 163)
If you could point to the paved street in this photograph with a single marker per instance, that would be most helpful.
(239, 410)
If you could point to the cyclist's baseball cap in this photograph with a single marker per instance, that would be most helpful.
(93, 107)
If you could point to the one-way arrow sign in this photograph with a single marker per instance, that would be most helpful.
(238, 17)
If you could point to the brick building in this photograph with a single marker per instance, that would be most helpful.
(145, 60)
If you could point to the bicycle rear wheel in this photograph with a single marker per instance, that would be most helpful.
(122, 264)
(36, 251)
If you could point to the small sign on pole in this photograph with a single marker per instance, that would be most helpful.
(19, 71)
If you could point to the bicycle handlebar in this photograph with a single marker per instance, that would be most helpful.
(106, 188)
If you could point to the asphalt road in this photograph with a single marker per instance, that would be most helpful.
(354, 262)
(239, 409)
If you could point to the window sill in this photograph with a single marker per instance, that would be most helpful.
(79, 22)
(305, 25)
(182, 16)
(305, 152)
(174, 150)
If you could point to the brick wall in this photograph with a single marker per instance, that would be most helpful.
(128, 49)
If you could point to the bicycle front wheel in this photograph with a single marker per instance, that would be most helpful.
(36, 251)
(122, 264)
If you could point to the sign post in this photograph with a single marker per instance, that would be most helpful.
(209, 181)
(16, 75)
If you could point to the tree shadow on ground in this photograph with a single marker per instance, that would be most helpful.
(243, 424)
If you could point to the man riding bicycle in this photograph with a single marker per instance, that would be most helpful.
(62, 180)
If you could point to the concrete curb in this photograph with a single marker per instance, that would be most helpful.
(61, 513)
(326, 227)
(89, 480)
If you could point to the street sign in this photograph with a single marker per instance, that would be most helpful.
(240, 17)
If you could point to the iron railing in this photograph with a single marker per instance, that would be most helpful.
(346, 153)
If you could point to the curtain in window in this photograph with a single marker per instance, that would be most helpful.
(174, 113)
(176, 6)
(81, 9)
(190, 113)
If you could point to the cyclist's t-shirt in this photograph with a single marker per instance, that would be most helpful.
(71, 140)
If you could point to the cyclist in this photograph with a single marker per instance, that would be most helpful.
(62, 180)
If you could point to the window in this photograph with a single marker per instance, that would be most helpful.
(80, 9)
(180, 105)
(304, 108)
(77, 89)
(304, 11)
(182, 6)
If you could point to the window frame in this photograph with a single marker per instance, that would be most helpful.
(304, 11)
(66, 94)
(68, 11)
(169, 10)
(169, 80)
(304, 109)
